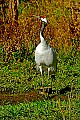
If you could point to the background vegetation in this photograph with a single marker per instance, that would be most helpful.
(18, 40)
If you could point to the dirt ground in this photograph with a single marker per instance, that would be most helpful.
(32, 95)
(17, 98)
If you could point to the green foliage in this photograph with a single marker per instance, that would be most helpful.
(47, 109)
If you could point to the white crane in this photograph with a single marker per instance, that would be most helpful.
(45, 55)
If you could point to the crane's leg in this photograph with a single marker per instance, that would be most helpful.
(50, 76)
(41, 70)
(42, 75)
(48, 72)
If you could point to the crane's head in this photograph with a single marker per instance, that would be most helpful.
(42, 18)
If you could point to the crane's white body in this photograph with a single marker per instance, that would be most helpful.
(45, 55)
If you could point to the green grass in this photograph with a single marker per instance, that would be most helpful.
(42, 110)
(21, 77)
(18, 76)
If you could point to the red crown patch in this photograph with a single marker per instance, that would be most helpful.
(43, 17)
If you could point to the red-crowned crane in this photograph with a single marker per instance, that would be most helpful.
(45, 55)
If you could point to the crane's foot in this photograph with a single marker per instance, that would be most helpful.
(45, 90)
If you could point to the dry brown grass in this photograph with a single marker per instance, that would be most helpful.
(62, 30)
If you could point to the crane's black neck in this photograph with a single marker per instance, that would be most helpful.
(42, 28)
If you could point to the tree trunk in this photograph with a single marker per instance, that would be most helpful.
(13, 11)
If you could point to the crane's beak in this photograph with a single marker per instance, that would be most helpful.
(37, 16)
